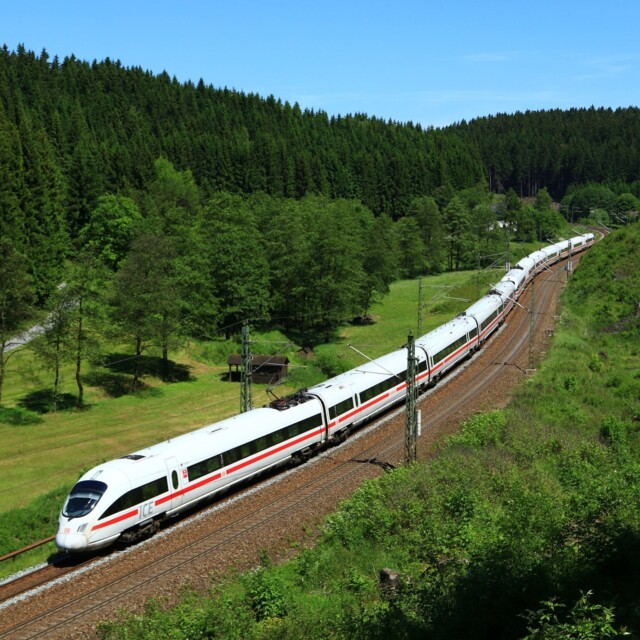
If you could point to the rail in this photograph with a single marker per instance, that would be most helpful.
(35, 545)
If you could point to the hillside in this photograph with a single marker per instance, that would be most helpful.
(98, 127)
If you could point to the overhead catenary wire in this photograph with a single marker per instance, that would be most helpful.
(364, 355)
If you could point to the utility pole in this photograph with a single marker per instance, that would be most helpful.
(420, 306)
(508, 265)
(411, 415)
(569, 266)
(245, 370)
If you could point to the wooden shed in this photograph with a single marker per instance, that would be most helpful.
(264, 369)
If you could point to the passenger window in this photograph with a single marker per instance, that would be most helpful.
(174, 479)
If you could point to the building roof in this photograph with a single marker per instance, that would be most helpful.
(259, 361)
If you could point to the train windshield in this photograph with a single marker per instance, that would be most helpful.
(83, 498)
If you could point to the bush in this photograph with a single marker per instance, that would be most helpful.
(613, 432)
(18, 417)
(481, 430)
(585, 620)
(265, 594)
(329, 360)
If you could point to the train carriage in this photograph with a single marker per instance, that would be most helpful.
(359, 394)
(447, 345)
(527, 265)
(506, 289)
(131, 495)
(488, 313)
(582, 242)
(552, 253)
(518, 278)
(539, 260)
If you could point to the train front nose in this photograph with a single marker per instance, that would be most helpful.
(68, 540)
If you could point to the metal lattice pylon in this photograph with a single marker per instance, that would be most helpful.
(245, 370)
(411, 414)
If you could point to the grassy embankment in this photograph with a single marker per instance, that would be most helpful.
(43, 452)
(527, 523)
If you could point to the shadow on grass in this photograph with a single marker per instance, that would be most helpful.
(44, 401)
(18, 417)
(116, 385)
(123, 363)
(113, 384)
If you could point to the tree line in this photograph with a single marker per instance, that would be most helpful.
(168, 264)
(170, 211)
(72, 131)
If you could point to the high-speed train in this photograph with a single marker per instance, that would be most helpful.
(128, 498)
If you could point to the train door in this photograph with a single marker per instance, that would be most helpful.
(175, 483)
(425, 379)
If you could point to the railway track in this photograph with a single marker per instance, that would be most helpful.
(30, 580)
(273, 515)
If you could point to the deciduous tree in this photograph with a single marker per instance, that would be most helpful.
(146, 299)
(112, 225)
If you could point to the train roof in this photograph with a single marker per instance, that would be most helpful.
(483, 307)
(538, 256)
(578, 240)
(504, 287)
(526, 264)
(445, 334)
(515, 275)
(210, 440)
(551, 250)
(389, 364)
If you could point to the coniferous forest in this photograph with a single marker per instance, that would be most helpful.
(202, 207)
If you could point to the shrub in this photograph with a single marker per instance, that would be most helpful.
(18, 417)
(481, 430)
(613, 432)
(329, 360)
(265, 594)
(585, 620)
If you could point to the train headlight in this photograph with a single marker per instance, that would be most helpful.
(82, 527)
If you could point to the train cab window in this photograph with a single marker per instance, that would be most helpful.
(83, 498)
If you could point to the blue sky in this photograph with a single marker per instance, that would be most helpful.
(428, 62)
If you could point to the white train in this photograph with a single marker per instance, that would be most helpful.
(128, 498)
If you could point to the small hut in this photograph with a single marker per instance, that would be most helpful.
(264, 369)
